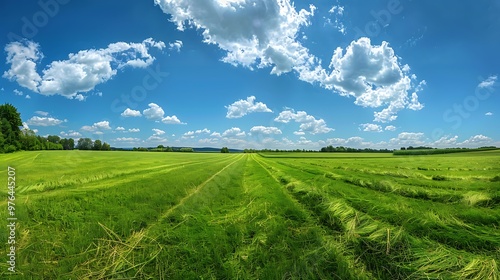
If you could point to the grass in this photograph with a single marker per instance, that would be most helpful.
(126, 215)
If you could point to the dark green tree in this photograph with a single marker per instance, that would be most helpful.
(224, 150)
(53, 139)
(97, 145)
(85, 144)
(106, 147)
(10, 121)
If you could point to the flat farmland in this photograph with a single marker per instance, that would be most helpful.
(147, 215)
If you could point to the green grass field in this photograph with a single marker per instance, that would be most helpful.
(130, 215)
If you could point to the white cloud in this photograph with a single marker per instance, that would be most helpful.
(172, 120)
(120, 128)
(253, 33)
(263, 33)
(374, 77)
(488, 83)
(200, 131)
(176, 46)
(409, 139)
(445, 142)
(157, 139)
(42, 113)
(28, 96)
(337, 12)
(390, 128)
(242, 107)
(233, 132)
(477, 141)
(307, 122)
(23, 58)
(127, 139)
(134, 130)
(158, 131)
(18, 92)
(97, 127)
(489, 114)
(71, 134)
(216, 134)
(80, 97)
(370, 127)
(209, 141)
(131, 113)
(81, 72)
(265, 130)
(44, 121)
(154, 112)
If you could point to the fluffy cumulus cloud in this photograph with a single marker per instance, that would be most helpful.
(477, 141)
(242, 107)
(263, 33)
(158, 131)
(154, 112)
(374, 76)
(253, 33)
(81, 72)
(127, 140)
(97, 127)
(131, 113)
(133, 130)
(370, 127)
(44, 121)
(390, 128)
(409, 139)
(256, 130)
(234, 132)
(172, 120)
(71, 134)
(307, 122)
(120, 128)
(489, 114)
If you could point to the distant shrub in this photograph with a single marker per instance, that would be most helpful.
(495, 179)
(438, 178)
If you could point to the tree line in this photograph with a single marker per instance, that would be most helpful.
(13, 138)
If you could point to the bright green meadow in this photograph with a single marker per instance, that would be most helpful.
(153, 215)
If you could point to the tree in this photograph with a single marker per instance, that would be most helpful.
(29, 140)
(10, 121)
(53, 139)
(71, 144)
(160, 147)
(97, 145)
(224, 150)
(85, 144)
(186, 150)
(106, 147)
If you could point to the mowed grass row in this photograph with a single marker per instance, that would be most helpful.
(239, 225)
(56, 226)
(422, 238)
(234, 216)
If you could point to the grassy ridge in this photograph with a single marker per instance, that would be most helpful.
(85, 215)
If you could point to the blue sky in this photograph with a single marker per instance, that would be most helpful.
(255, 73)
